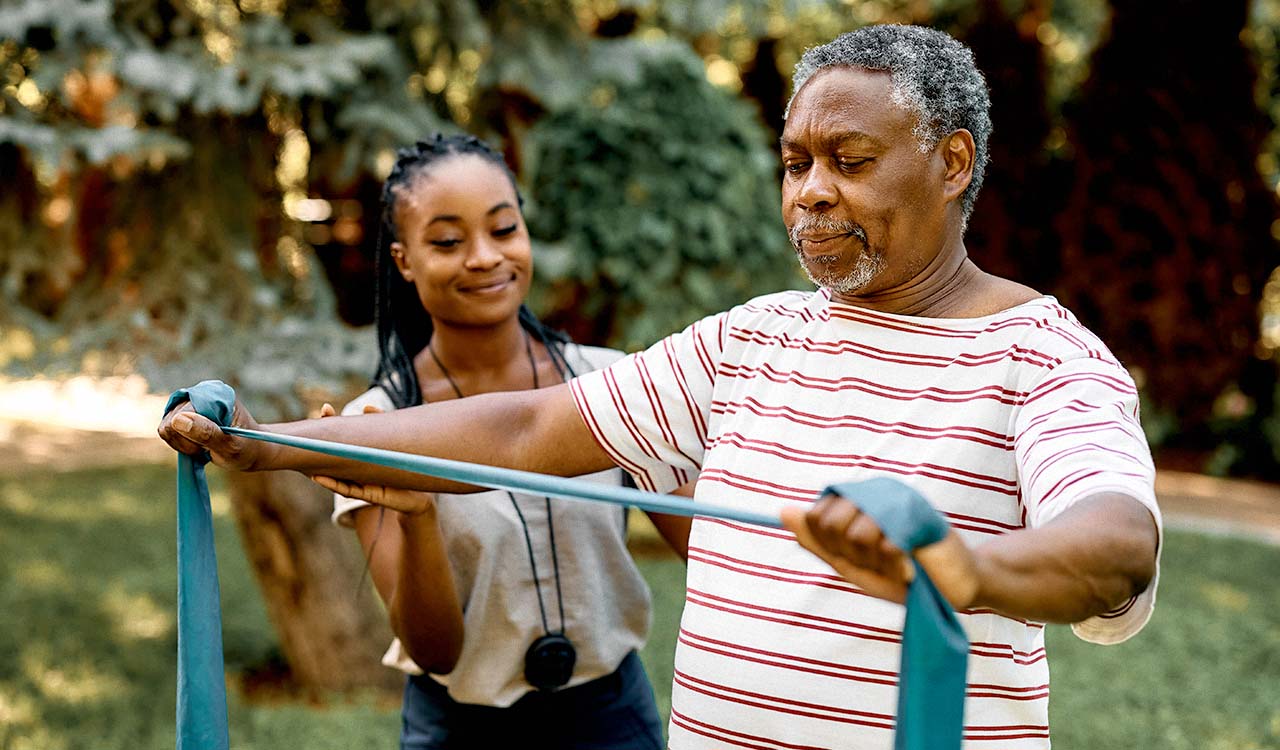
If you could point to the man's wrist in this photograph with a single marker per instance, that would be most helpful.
(264, 456)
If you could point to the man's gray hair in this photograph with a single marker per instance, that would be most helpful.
(934, 77)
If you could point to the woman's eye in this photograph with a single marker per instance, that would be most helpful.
(504, 231)
(446, 243)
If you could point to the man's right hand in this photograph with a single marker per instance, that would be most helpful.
(188, 432)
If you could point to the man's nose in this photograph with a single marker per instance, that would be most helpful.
(818, 190)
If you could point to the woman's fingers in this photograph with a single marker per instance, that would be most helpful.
(405, 501)
(350, 489)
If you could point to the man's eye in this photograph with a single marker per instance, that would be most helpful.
(795, 167)
(848, 164)
(504, 231)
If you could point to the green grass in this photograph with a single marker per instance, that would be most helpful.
(87, 637)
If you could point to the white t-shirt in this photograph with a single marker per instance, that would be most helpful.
(1002, 422)
(606, 601)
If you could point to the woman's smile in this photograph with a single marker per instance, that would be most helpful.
(488, 286)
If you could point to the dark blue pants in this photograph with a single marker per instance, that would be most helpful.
(614, 712)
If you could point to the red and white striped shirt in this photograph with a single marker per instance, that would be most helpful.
(1002, 422)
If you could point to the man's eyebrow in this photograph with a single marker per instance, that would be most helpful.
(834, 140)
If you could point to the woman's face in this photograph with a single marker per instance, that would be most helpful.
(463, 242)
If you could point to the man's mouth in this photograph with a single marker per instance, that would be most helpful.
(820, 239)
(818, 234)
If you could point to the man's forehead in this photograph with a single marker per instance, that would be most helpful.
(846, 103)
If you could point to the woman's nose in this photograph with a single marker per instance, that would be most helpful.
(483, 254)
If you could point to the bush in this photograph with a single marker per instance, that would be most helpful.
(654, 202)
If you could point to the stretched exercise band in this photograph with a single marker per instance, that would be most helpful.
(512, 480)
(931, 682)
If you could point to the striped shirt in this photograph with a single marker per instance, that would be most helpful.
(1001, 421)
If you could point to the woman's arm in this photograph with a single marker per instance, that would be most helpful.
(404, 552)
(410, 570)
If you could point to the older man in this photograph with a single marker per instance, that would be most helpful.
(909, 361)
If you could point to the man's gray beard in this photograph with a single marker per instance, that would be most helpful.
(864, 271)
(820, 269)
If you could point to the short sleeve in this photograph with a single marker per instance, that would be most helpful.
(650, 410)
(344, 506)
(1078, 435)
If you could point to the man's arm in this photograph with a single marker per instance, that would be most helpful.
(1087, 561)
(536, 430)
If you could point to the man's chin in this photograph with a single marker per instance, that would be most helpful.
(846, 281)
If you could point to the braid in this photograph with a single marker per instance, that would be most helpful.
(404, 327)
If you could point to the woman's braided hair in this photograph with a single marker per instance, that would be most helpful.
(404, 327)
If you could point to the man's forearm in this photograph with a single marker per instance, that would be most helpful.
(1086, 562)
(528, 430)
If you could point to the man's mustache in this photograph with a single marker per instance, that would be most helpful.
(811, 224)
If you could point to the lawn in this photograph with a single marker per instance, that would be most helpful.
(87, 637)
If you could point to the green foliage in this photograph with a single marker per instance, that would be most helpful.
(160, 131)
(661, 193)
(163, 130)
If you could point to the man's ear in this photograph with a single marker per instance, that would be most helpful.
(958, 157)
(397, 254)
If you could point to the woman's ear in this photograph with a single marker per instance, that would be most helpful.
(397, 255)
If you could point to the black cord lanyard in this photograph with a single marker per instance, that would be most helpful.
(550, 659)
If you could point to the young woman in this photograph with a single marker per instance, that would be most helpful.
(517, 618)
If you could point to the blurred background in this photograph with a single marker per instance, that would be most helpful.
(189, 189)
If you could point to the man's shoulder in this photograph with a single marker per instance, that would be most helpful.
(586, 358)
(1047, 334)
(1055, 330)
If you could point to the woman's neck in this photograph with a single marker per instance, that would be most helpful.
(471, 352)
(469, 361)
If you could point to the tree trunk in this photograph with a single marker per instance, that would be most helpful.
(331, 626)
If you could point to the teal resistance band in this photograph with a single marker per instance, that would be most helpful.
(202, 690)
(515, 481)
(935, 651)
(934, 648)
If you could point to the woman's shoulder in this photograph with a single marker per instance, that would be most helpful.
(589, 358)
(375, 396)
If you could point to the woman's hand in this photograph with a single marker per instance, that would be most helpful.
(850, 542)
(409, 502)
(188, 432)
